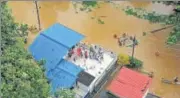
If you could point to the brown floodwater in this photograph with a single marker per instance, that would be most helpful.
(116, 22)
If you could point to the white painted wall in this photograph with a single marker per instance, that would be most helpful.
(146, 93)
(83, 87)
(81, 90)
(103, 74)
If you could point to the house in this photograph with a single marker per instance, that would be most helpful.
(83, 84)
(149, 95)
(83, 74)
(52, 45)
(129, 84)
(95, 69)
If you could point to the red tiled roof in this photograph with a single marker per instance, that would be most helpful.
(130, 84)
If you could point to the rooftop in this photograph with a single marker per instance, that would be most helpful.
(56, 43)
(61, 33)
(85, 78)
(52, 45)
(129, 84)
(149, 95)
(96, 62)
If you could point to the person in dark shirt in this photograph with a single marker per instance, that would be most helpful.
(86, 54)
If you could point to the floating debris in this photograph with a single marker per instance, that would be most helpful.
(92, 17)
(144, 33)
(100, 21)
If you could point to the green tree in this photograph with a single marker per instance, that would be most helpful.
(21, 76)
(64, 93)
(172, 19)
(135, 63)
(123, 59)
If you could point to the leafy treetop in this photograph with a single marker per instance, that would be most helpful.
(21, 76)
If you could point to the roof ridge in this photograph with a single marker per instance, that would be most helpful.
(130, 85)
(54, 40)
(68, 28)
(64, 69)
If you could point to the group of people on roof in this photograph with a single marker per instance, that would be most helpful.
(82, 50)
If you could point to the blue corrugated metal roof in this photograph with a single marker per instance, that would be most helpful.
(52, 45)
(66, 67)
(61, 77)
(64, 35)
(55, 84)
(45, 48)
(64, 74)
(69, 67)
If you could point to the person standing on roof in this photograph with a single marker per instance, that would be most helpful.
(91, 49)
(70, 53)
(79, 51)
(86, 54)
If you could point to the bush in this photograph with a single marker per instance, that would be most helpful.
(90, 3)
(128, 61)
(134, 63)
(123, 59)
(64, 93)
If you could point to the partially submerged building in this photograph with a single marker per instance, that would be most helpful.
(129, 84)
(79, 73)
(150, 95)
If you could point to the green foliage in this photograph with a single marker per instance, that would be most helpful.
(172, 19)
(129, 61)
(87, 6)
(33, 29)
(21, 76)
(7, 27)
(64, 93)
(90, 3)
(135, 63)
(123, 59)
(143, 14)
(23, 28)
(41, 62)
(10, 30)
(174, 36)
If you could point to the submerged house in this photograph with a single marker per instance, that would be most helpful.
(130, 84)
(82, 74)
(53, 46)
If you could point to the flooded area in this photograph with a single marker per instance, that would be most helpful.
(116, 22)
